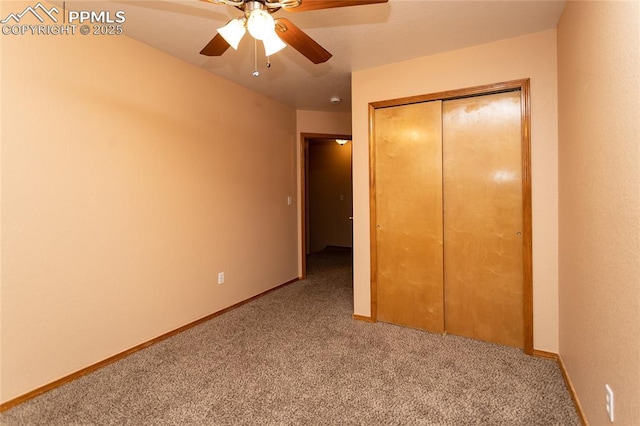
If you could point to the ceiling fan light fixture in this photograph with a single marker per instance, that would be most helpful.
(233, 32)
(260, 24)
(273, 44)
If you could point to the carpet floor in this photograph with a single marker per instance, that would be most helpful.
(296, 357)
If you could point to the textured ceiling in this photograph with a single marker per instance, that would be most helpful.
(359, 37)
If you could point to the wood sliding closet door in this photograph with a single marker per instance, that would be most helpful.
(448, 212)
(483, 218)
(408, 152)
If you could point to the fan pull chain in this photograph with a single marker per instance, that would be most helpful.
(256, 73)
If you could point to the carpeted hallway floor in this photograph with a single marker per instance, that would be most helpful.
(295, 357)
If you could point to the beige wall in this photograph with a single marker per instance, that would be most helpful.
(532, 56)
(599, 163)
(323, 122)
(329, 195)
(318, 122)
(1, 221)
(129, 181)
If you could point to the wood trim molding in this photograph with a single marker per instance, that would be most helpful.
(486, 89)
(73, 376)
(302, 199)
(362, 318)
(523, 85)
(567, 382)
(572, 392)
(373, 246)
(527, 213)
(544, 354)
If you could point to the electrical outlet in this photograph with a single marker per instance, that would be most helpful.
(220, 277)
(609, 402)
(289, 200)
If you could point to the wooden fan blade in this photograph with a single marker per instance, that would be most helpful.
(328, 4)
(300, 41)
(216, 47)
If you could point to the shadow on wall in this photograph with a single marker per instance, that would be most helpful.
(329, 195)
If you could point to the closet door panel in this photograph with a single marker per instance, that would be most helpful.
(482, 190)
(408, 191)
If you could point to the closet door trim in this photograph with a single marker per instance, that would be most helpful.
(527, 273)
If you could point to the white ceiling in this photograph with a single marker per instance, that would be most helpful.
(359, 37)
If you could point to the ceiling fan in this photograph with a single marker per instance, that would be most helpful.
(274, 33)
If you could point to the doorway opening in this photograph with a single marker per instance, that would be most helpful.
(326, 198)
